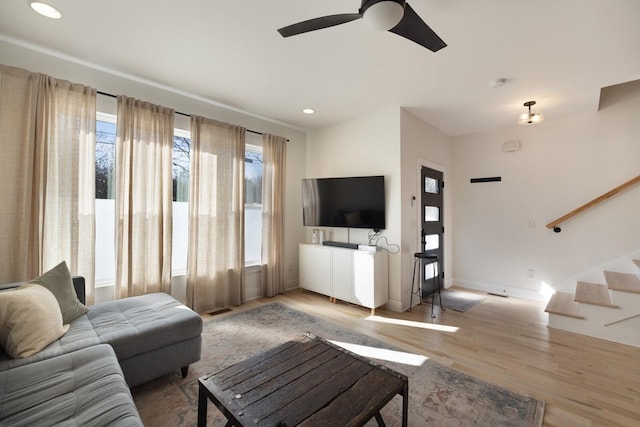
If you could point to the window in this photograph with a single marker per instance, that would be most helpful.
(105, 155)
(105, 199)
(431, 185)
(253, 200)
(180, 245)
(252, 196)
(105, 203)
(181, 149)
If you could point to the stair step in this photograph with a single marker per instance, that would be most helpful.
(563, 304)
(623, 282)
(594, 294)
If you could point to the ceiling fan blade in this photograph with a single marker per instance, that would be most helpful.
(412, 27)
(318, 24)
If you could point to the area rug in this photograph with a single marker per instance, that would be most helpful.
(438, 395)
(458, 300)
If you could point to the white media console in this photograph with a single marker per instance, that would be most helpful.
(358, 276)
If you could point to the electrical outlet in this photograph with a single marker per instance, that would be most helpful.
(531, 223)
(531, 274)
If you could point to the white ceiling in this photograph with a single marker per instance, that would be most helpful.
(557, 52)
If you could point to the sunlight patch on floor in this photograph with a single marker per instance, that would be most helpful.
(422, 325)
(468, 296)
(383, 354)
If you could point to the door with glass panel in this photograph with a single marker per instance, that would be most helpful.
(432, 229)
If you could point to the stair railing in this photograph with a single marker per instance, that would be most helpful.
(597, 200)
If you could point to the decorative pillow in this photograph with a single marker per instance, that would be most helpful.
(58, 281)
(30, 320)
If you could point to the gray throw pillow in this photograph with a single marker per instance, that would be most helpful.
(58, 281)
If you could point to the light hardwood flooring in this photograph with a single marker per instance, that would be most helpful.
(584, 381)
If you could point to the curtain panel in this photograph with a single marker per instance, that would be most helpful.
(273, 190)
(215, 260)
(47, 170)
(144, 196)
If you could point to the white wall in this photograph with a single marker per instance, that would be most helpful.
(364, 146)
(395, 143)
(293, 230)
(422, 145)
(105, 80)
(562, 165)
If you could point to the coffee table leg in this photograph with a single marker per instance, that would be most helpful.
(202, 408)
(405, 406)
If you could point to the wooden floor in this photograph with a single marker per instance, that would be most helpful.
(584, 381)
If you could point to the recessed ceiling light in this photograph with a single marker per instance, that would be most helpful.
(308, 111)
(45, 9)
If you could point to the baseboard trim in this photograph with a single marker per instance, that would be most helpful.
(394, 305)
(501, 291)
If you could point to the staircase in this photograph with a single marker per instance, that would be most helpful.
(609, 310)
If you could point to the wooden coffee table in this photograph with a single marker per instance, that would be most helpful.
(307, 382)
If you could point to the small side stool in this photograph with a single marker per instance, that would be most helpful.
(419, 259)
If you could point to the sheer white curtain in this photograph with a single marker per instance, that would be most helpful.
(144, 196)
(21, 180)
(273, 190)
(68, 116)
(215, 260)
(47, 172)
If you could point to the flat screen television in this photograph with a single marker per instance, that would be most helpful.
(353, 202)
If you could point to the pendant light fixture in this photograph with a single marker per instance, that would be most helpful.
(530, 118)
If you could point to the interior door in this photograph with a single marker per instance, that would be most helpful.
(432, 229)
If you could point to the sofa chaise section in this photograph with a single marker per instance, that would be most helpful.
(85, 387)
(152, 335)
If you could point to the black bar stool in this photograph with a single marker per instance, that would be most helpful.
(420, 258)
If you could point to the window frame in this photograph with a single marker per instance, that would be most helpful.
(253, 147)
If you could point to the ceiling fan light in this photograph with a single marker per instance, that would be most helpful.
(384, 15)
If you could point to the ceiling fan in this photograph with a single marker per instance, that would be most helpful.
(395, 16)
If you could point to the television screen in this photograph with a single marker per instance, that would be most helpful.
(354, 202)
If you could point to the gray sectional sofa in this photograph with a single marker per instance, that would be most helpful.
(81, 388)
(83, 377)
